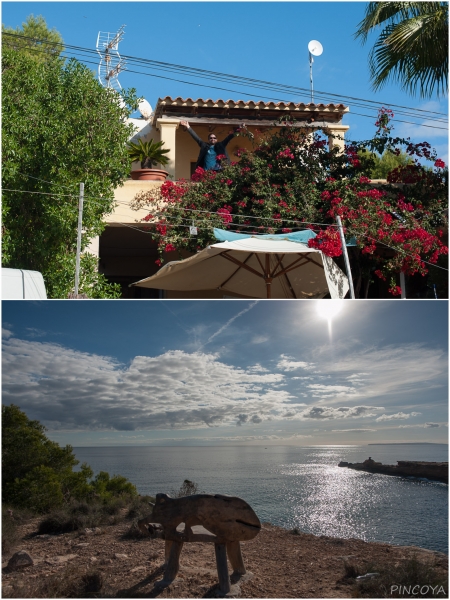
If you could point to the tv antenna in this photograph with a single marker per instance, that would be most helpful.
(315, 49)
(110, 62)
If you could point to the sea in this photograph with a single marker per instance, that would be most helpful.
(300, 487)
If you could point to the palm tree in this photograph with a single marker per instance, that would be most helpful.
(148, 153)
(412, 47)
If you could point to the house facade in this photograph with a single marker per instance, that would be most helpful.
(125, 249)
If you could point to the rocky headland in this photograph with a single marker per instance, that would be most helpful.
(436, 471)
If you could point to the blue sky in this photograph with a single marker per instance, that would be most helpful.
(228, 372)
(261, 40)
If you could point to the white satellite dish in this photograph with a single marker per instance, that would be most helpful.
(145, 109)
(315, 47)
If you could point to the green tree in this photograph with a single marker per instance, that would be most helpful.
(60, 127)
(34, 38)
(412, 47)
(38, 473)
(378, 166)
(29, 458)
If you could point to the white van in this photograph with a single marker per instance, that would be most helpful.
(18, 284)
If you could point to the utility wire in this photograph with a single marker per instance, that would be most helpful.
(247, 81)
(396, 120)
(153, 234)
(216, 74)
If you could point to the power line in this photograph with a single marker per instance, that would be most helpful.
(247, 81)
(182, 68)
(396, 120)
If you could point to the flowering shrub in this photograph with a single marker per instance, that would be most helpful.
(292, 180)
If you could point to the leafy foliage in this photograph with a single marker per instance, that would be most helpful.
(148, 153)
(60, 128)
(412, 46)
(375, 166)
(292, 180)
(34, 39)
(38, 473)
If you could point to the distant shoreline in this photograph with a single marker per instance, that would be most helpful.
(408, 444)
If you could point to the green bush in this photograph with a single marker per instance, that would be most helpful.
(39, 474)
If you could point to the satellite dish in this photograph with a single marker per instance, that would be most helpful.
(315, 48)
(145, 109)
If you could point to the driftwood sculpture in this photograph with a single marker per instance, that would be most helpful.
(222, 520)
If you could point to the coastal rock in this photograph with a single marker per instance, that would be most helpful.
(436, 471)
(20, 560)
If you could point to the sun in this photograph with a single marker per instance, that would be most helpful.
(328, 309)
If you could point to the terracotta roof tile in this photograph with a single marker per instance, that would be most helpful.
(168, 100)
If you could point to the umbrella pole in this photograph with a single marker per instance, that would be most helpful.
(345, 253)
(268, 278)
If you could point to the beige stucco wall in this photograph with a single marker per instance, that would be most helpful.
(123, 196)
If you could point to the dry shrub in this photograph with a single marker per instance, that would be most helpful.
(139, 507)
(73, 582)
(395, 579)
(79, 515)
(11, 519)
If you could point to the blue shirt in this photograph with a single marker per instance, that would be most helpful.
(210, 158)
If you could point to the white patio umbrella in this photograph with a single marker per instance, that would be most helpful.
(254, 268)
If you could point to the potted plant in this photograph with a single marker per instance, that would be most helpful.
(148, 154)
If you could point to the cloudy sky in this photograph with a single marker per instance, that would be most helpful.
(219, 372)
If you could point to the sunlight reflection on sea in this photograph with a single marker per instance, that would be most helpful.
(300, 487)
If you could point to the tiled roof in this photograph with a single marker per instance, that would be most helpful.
(177, 106)
(168, 101)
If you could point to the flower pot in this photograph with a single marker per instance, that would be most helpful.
(149, 174)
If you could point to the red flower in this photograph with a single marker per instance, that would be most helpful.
(198, 174)
(169, 248)
(327, 241)
(439, 163)
(224, 214)
(395, 290)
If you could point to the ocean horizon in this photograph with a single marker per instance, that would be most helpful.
(299, 486)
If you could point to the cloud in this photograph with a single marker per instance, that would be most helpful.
(259, 339)
(67, 389)
(343, 412)
(378, 370)
(287, 363)
(352, 430)
(6, 333)
(33, 332)
(257, 369)
(399, 415)
(431, 425)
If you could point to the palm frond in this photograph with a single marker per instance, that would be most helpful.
(412, 48)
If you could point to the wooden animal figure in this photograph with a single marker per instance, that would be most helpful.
(227, 517)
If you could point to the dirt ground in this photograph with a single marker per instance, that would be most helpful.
(283, 564)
